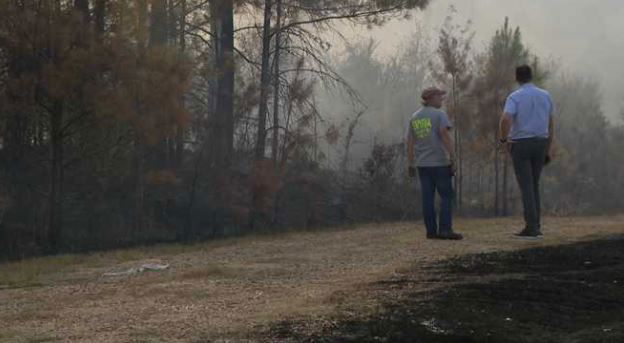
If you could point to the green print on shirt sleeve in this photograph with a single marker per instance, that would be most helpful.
(421, 127)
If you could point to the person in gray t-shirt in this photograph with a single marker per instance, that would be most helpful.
(430, 149)
(424, 127)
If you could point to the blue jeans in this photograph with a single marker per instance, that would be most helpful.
(440, 179)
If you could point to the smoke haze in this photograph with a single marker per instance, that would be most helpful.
(584, 36)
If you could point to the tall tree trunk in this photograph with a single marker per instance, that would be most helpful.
(284, 150)
(188, 230)
(83, 7)
(56, 195)
(158, 23)
(505, 185)
(139, 150)
(179, 138)
(258, 194)
(172, 28)
(460, 167)
(223, 128)
(496, 180)
(456, 139)
(276, 81)
(265, 82)
(276, 104)
(142, 33)
(159, 155)
(99, 14)
(480, 190)
(172, 35)
(55, 225)
(348, 140)
(139, 190)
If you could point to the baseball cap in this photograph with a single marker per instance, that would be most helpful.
(430, 92)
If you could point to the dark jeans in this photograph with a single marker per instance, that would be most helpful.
(432, 179)
(528, 159)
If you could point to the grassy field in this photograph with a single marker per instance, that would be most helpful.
(324, 285)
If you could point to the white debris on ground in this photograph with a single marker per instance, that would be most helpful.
(432, 326)
(138, 270)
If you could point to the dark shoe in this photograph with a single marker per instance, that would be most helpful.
(432, 236)
(450, 236)
(529, 234)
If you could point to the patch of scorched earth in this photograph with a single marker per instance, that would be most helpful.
(235, 287)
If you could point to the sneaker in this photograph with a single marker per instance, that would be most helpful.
(450, 236)
(432, 236)
(529, 234)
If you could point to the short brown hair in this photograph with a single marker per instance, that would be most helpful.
(524, 74)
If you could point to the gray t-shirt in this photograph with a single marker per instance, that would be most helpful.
(428, 147)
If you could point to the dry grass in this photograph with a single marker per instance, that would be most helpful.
(232, 287)
(36, 272)
(53, 269)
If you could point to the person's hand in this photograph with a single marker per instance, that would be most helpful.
(508, 146)
(504, 146)
(550, 155)
(552, 152)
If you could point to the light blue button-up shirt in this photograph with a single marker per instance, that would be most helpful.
(530, 108)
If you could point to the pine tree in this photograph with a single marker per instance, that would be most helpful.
(454, 51)
(496, 80)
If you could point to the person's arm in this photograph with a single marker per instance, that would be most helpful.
(444, 130)
(410, 141)
(410, 148)
(445, 136)
(447, 143)
(506, 121)
(551, 137)
(504, 126)
(551, 131)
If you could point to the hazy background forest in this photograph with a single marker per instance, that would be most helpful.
(126, 122)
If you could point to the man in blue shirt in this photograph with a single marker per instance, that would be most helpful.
(527, 131)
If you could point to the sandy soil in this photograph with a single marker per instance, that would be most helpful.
(236, 288)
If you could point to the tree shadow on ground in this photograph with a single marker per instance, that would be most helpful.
(569, 293)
